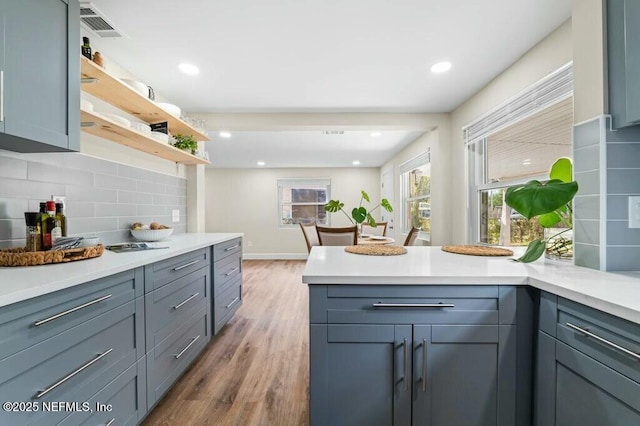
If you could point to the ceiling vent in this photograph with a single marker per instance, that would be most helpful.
(95, 21)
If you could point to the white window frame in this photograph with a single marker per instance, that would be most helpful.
(404, 170)
(300, 183)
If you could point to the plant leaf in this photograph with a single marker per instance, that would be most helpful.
(371, 221)
(365, 196)
(562, 170)
(547, 220)
(534, 251)
(333, 206)
(359, 214)
(386, 205)
(535, 198)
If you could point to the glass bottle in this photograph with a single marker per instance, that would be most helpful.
(86, 48)
(48, 224)
(41, 214)
(61, 218)
(33, 231)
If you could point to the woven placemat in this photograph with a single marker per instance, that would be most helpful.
(477, 250)
(20, 257)
(376, 250)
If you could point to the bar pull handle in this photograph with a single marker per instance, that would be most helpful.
(233, 302)
(232, 247)
(186, 348)
(406, 364)
(69, 311)
(193, 262)
(112, 421)
(70, 375)
(414, 305)
(1, 95)
(231, 271)
(424, 365)
(604, 341)
(179, 305)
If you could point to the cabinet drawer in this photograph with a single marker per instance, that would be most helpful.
(222, 250)
(174, 302)
(27, 323)
(161, 273)
(608, 339)
(71, 366)
(226, 270)
(121, 402)
(227, 303)
(405, 304)
(170, 358)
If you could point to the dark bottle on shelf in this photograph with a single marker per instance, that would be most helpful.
(86, 48)
(61, 218)
(33, 231)
(41, 214)
(48, 225)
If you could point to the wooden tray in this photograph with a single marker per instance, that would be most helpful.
(20, 257)
(478, 250)
(376, 250)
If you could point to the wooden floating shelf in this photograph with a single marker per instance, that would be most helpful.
(112, 90)
(112, 131)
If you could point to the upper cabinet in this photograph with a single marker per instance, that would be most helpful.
(101, 84)
(39, 89)
(623, 47)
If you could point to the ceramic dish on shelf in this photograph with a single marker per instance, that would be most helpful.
(151, 234)
(138, 86)
(85, 105)
(116, 119)
(159, 136)
(170, 108)
(141, 127)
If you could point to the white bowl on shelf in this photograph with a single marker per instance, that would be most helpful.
(138, 86)
(170, 108)
(85, 105)
(151, 234)
(116, 119)
(141, 127)
(160, 137)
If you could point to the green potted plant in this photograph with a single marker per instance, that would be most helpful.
(359, 214)
(185, 143)
(550, 202)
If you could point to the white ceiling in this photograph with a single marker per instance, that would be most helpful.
(323, 55)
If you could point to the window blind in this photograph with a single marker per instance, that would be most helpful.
(415, 162)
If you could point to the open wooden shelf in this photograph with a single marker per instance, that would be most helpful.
(110, 89)
(110, 130)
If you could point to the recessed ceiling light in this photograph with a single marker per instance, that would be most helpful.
(189, 69)
(260, 163)
(376, 134)
(225, 135)
(356, 163)
(526, 162)
(440, 67)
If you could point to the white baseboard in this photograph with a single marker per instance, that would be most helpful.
(274, 256)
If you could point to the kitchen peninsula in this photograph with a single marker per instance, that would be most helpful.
(438, 338)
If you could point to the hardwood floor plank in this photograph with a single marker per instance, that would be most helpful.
(256, 371)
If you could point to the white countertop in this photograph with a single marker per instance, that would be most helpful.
(615, 293)
(21, 283)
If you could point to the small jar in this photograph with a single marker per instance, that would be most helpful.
(33, 231)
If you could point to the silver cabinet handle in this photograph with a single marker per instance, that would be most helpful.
(177, 268)
(413, 305)
(179, 305)
(233, 302)
(112, 421)
(70, 375)
(231, 271)
(587, 333)
(232, 247)
(406, 364)
(186, 348)
(424, 365)
(69, 311)
(2, 95)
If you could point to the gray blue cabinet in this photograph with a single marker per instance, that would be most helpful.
(226, 275)
(39, 73)
(422, 355)
(623, 51)
(588, 367)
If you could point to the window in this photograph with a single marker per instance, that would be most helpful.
(302, 201)
(415, 178)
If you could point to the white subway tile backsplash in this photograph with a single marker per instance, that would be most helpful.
(40, 172)
(13, 208)
(13, 168)
(114, 182)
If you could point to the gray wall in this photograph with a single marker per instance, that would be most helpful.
(607, 168)
(103, 198)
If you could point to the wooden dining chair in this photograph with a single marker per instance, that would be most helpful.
(379, 230)
(330, 236)
(310, 235)
(411, 236)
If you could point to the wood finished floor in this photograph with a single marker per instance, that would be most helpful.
(256, 371)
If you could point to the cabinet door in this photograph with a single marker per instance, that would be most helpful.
(360, 375)
(470, 375)
(41, 73)
(632, 64)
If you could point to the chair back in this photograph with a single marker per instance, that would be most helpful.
(411, 236)
(380, 230)
(310, 235)
(329, 236)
